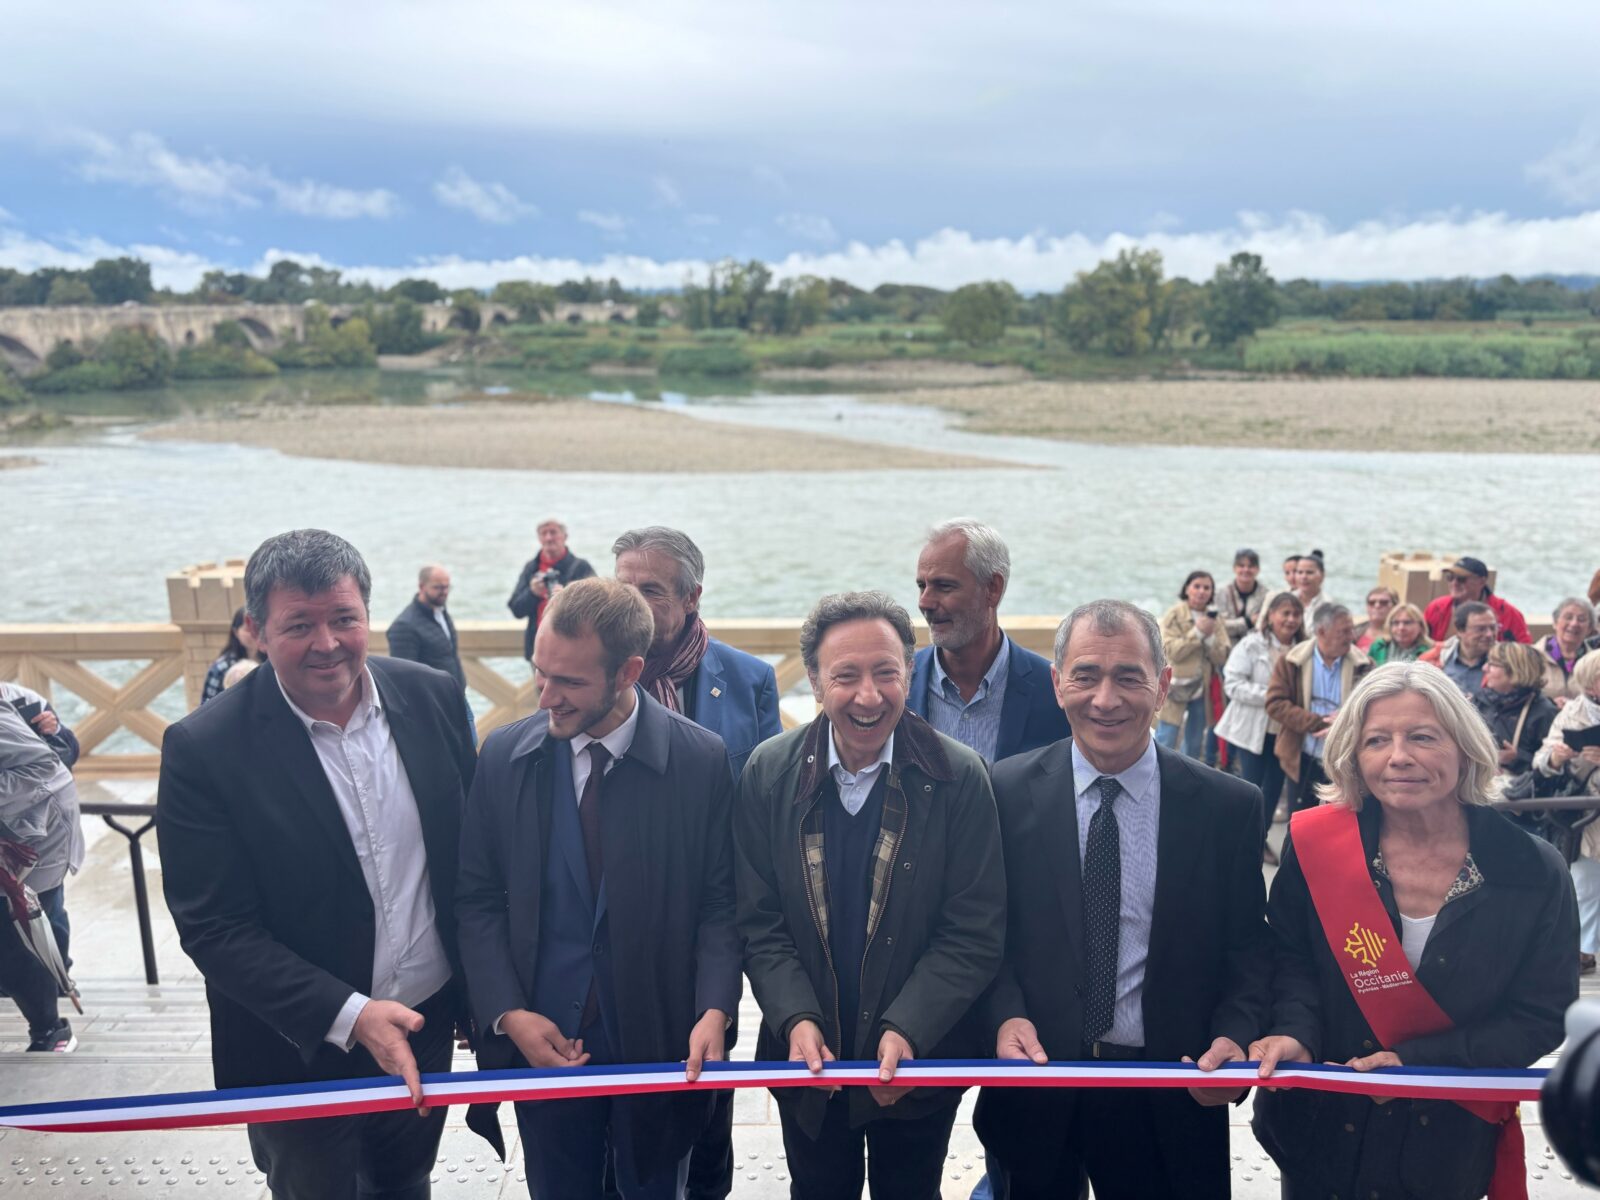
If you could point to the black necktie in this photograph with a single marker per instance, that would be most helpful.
(1102, 911)
(589, 814)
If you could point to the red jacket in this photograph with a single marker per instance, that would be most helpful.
(1440, 616)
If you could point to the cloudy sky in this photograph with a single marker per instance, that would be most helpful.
(929, 142)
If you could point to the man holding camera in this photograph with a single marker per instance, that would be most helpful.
(543, 576)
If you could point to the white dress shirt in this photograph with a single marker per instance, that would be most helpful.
(375, 800)
(1138, 809)
(616, 742)
(855, 788)
(438, 616)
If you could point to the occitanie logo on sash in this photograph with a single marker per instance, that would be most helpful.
(1363, 945)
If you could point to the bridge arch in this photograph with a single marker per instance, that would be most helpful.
(18, 354)
(260, 336)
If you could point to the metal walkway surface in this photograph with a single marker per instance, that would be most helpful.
(135, 1038)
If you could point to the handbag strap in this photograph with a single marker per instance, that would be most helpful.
(1516, 738)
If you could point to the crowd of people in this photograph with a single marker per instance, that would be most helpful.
(972, 851)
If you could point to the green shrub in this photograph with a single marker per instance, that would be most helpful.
(720, 361)
(213, 361)
(813, 357)
(637, 356)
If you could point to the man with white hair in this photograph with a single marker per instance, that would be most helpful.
(974, 683)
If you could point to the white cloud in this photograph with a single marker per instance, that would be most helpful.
(810, 226)
(1571, 172)
(666, 192)
(613, 226)
(6, 216)
(1300, 244)
(493, 203)
(209, 185)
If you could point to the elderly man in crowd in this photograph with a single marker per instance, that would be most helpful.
(596, 899)
(974, 683)
(1308, 685)
(1134, 932)
(1469, 583)
(871, 904)
(309, 820)
(424, 632)
(543, 576)
(731, 693)
(1463, 656)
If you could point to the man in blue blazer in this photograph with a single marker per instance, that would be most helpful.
(731, 693)
(974, 683)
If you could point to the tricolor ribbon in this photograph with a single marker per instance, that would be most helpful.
(348, 1097)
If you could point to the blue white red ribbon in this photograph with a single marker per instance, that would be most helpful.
(349, 1097)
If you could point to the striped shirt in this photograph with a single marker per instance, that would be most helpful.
(1138, 809)
(974, 723)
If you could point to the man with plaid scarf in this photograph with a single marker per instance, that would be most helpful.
(871, 906)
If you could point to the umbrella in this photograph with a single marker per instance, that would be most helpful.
(28, 917)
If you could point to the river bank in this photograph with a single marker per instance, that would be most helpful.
(1464, 415)
(529, 433)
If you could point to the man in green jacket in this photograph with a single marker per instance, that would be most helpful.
(871, 905)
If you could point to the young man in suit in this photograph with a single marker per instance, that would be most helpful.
(1135, 931)
(974, 683)
(309, 820)
(731, 693)
(596, 900)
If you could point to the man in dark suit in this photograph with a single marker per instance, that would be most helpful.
(309, 820)
(543, 576)
(424, 632)
(974, 683)
(731, 693)
(596, 899)
(1135, 931)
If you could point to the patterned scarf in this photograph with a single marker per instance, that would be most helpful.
(670, 667)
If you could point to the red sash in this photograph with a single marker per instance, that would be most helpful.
(1327, 843)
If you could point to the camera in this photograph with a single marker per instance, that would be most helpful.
(1569, 1102)
(1211, 611)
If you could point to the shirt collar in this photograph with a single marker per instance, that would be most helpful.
(991, 678)
(1138, 781)
(841, 775)
(618, 740)
(371, 704)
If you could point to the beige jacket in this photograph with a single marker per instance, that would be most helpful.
(1289, 698)
(1190, 655)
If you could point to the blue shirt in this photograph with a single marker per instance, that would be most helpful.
(1327, 693)
(1138, 809)
(974, 723)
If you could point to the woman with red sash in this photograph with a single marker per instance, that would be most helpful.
(1413, 925)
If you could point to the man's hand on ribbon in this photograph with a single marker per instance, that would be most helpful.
(1371, 1062)
(807, 1045)
(892, 1050)
(383, 1026)
(1019, 1039)
(1277, 1048)
(706, 1042)
(1223, 1050)
(540, 1041)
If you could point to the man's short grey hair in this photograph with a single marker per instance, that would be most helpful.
(556, 521)
(311, 560)
(1108, 618)
(675, 544)
(1327, 614)
(854, 606)
(1577, 602)
(987, 555)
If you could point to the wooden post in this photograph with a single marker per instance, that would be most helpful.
(203, 599)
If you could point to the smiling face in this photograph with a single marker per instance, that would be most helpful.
(577, 691)
(1244, 576)
(656, 576)
(318, 646)
(860, 681)
(1464, 585)
(1109, 689)
(1335, 638)
(1406, 759)
(1404, 630)
(958, 607)
(1479, 635)
(1285, 622)
(1573, 626)
(1378, 606)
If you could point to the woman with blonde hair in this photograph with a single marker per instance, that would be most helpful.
(1404, 637)
(1405, 873)
(1513, 704)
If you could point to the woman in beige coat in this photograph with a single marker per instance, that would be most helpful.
(1196, 645)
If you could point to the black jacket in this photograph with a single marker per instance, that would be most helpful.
(1502, 961)
(939, 900)
(261, 876)
(415, 635)
(1502, 712)
(667, 846)
(1209, 965)
(524, 603)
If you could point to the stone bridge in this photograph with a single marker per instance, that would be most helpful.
(28, 334)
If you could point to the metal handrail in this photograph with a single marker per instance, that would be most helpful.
(108, 812)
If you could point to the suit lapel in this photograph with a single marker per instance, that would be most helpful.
(289, 750)
(1055, 800)
(711, 685)
(1014, 706)
(1178, 845)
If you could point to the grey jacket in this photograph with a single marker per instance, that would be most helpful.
(38, 801)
